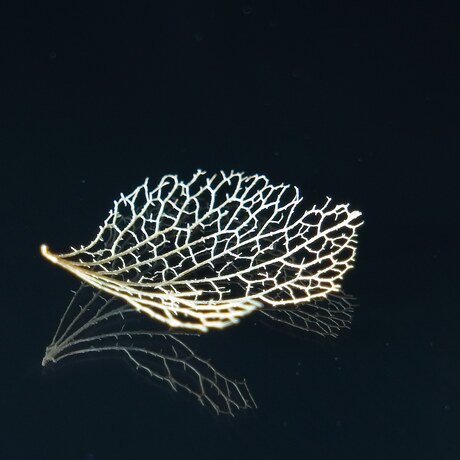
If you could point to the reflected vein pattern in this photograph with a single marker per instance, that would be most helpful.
(326, 317)
(93, 323)
(204, 253)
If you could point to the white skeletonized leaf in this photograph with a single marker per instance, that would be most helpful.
(204, 253)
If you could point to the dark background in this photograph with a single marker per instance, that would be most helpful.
(356, 101)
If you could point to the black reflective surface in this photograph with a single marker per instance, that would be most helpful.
(359, 103)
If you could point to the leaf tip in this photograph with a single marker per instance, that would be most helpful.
(47, 254)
